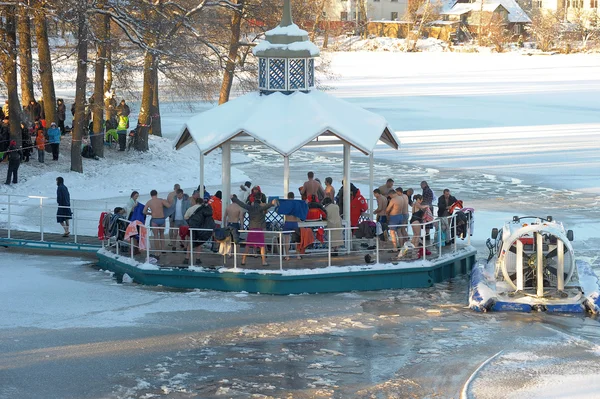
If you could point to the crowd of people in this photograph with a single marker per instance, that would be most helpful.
(39, 134)
(204, 215)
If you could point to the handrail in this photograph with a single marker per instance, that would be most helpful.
(34, 212)
(277, 251)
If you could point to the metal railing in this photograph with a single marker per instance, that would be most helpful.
(278, 247)
(37, 215)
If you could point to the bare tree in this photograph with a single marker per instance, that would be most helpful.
(25, 59)
(8, 66)
(102, 33)
(496, 33)
(585, 25)
(45, 60)
(234, 45)
(545, 28)
(419, 14)
(80, 86)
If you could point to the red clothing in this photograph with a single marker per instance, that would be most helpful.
(217, 205)
(358, 205)
(316, 214)
(101, 232)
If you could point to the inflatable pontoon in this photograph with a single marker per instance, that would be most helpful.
(532, 266)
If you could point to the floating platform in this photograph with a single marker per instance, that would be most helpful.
(297, 280)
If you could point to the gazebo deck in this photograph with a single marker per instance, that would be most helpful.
(311, 274)
(310, 260)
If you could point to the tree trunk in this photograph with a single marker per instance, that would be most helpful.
(98, 107)
(108, 66)
(234, 45)
(320, 10)
(326, 35)
(24, 30)
(141, 139)
(8, 57)
(80, 85)
(155, 125)
(41, 33)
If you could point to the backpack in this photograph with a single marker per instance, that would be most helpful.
(197, 219)
(14, 155)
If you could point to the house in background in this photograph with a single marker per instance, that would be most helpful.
(375, 10)
(487, 12)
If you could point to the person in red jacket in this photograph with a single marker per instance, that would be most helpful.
(358, 206)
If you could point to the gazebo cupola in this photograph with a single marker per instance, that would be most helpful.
(286, 58)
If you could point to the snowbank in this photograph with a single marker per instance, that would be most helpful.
(119, 173)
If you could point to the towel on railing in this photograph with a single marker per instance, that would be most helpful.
(132, 230)
(306, 238)
(101, 232)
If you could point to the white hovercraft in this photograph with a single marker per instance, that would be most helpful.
(532, 267)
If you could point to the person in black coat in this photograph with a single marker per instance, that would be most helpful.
(33, 111)
(444, 203)
(14, 160)
(63, 198)
(123, 109)
(61, 113)
(26, 145)
(4, 134)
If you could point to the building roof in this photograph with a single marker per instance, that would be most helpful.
(286, 123)
(515, 12)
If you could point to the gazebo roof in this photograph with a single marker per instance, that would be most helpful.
(286, 123)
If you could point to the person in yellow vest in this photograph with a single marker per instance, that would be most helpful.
(122, 131)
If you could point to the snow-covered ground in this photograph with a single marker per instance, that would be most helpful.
(509, 134)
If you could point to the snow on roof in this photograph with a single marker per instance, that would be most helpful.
(306, 45)
(287, 122)
(290, 30)
(515, 12)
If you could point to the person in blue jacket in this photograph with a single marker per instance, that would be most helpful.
(54, 140)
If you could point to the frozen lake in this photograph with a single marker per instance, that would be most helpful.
(508, 134)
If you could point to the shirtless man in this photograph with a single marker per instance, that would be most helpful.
(403, 229)
(382, 204)
(329, 190)
(385, 189)
(155, 205)
(312, 187)
(234, 218)
(171, 200)
(394, 216)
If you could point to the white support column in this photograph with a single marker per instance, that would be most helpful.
(519, 265)
(286, 175)
(540, 264)
(201, 194)
(225, 174)
(371, 196)
(560, 267)
(347, 200)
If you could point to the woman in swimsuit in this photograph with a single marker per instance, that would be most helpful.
(418, 210)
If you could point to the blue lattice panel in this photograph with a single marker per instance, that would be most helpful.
(277, 74)
(311, 73)
(262, 73)
(297, 71)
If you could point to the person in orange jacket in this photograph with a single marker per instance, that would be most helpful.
(40, 143)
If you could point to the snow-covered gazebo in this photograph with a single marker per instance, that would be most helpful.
(287, 113)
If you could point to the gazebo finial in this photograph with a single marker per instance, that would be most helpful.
(286, 17)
